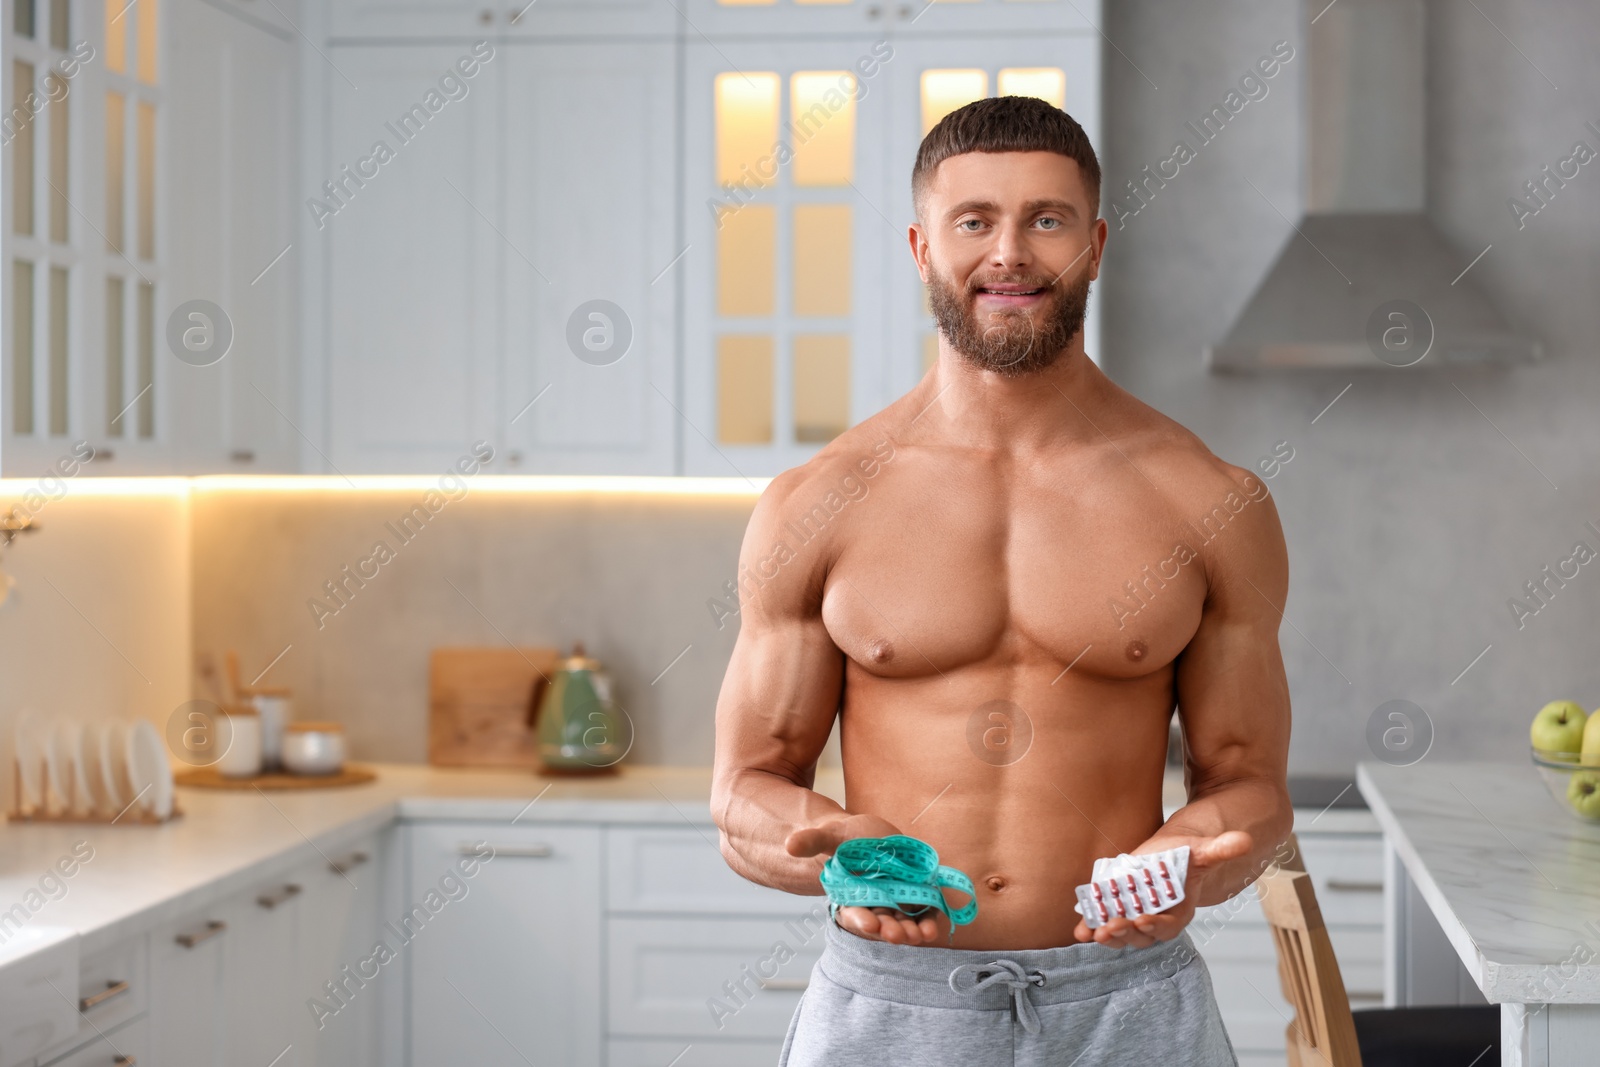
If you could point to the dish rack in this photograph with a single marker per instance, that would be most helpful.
(55, 779)
(76, 809)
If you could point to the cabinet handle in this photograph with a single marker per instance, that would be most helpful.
(124, 1061)
(785, 985)
(242, 455)
(272, 900)
(874, 11)
(112, 989)
(355, 859)
(527, 852)
(104, 454)
(1364, 994)
(1339, 885)
(486, 16)
(213, 928)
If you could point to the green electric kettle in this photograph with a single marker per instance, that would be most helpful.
(580, 729)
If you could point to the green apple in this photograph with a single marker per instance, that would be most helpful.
(1583, 793)
(1591, 742)
(1559, 728)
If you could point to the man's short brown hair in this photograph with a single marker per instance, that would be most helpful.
(1006, 124)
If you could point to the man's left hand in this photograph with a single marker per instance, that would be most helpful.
(1206, 855)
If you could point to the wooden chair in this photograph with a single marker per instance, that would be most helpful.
(1324, 1032)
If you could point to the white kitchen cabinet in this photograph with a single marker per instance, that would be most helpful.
(901, 18)
(504, 962)
(413, 252)
(337, 932)
(671, 976)
(508, 19)
(261, 1005)
(119, 1046)
(232, 141)
(590, 135)
(186, 993)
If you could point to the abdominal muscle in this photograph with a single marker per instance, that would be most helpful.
(1024, 822)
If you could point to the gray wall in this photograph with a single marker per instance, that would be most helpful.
(1410, 518)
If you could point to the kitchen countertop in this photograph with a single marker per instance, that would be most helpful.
(227, 841)
(1513, 880)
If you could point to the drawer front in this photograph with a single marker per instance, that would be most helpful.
(115, 983)
(1360, 954)
(120, 1047)
(630, 1052)
(1347, 873)
(738, 979)
(681, 871)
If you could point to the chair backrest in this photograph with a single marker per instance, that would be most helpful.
(1322, 1033)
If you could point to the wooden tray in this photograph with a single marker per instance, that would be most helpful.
(208, 778)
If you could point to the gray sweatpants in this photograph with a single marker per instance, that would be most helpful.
(872, 1004)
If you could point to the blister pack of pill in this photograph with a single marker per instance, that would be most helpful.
(1129, 886)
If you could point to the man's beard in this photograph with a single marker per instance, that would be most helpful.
(1008, 343)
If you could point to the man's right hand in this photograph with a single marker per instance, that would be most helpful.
(875, 924)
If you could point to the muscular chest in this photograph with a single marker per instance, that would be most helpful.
(1092, 575)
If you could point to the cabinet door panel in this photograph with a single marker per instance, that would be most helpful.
(414, 258)
(186, 992)
(504, 962)
(590, 189)
(338, 974)
(709, 977)
(262, 1011)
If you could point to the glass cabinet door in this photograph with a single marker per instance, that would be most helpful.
(787, 233)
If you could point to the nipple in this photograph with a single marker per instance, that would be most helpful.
(881, 652)
(1136, 650)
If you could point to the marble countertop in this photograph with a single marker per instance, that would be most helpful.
(227, 841)
(1513, 880)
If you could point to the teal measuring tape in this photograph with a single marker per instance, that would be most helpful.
(893, 872)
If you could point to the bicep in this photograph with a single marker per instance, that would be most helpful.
(781, 693)
(1233, 694)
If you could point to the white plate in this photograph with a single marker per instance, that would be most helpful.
(94, 774)
(114, 766)
(148, 771)
(56, 783)
(30, 782)
(74, 774)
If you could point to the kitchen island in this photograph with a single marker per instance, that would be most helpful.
(1492, 892)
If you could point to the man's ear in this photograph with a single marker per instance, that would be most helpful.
(919, 249)
(1098, 232)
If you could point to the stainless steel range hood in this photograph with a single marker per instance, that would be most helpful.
(1366, 240)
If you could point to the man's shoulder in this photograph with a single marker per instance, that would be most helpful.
(842, 466)
(1173, 457)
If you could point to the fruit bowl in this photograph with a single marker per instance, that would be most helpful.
(1572, 785)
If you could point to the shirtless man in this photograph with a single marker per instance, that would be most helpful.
(1018, 530)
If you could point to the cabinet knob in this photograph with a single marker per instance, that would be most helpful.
(242, 455)
(486, 16)
(212, 929)
(874, 12)
(124, 1061)
(905, 11)
(104, 455)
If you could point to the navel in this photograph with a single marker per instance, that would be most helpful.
(881, 652)
(995, 882)
(1135, 650)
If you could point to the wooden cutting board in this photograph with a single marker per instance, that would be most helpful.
(482, 704)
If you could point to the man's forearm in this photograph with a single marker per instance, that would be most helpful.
(1258, 806)
(756, 811)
